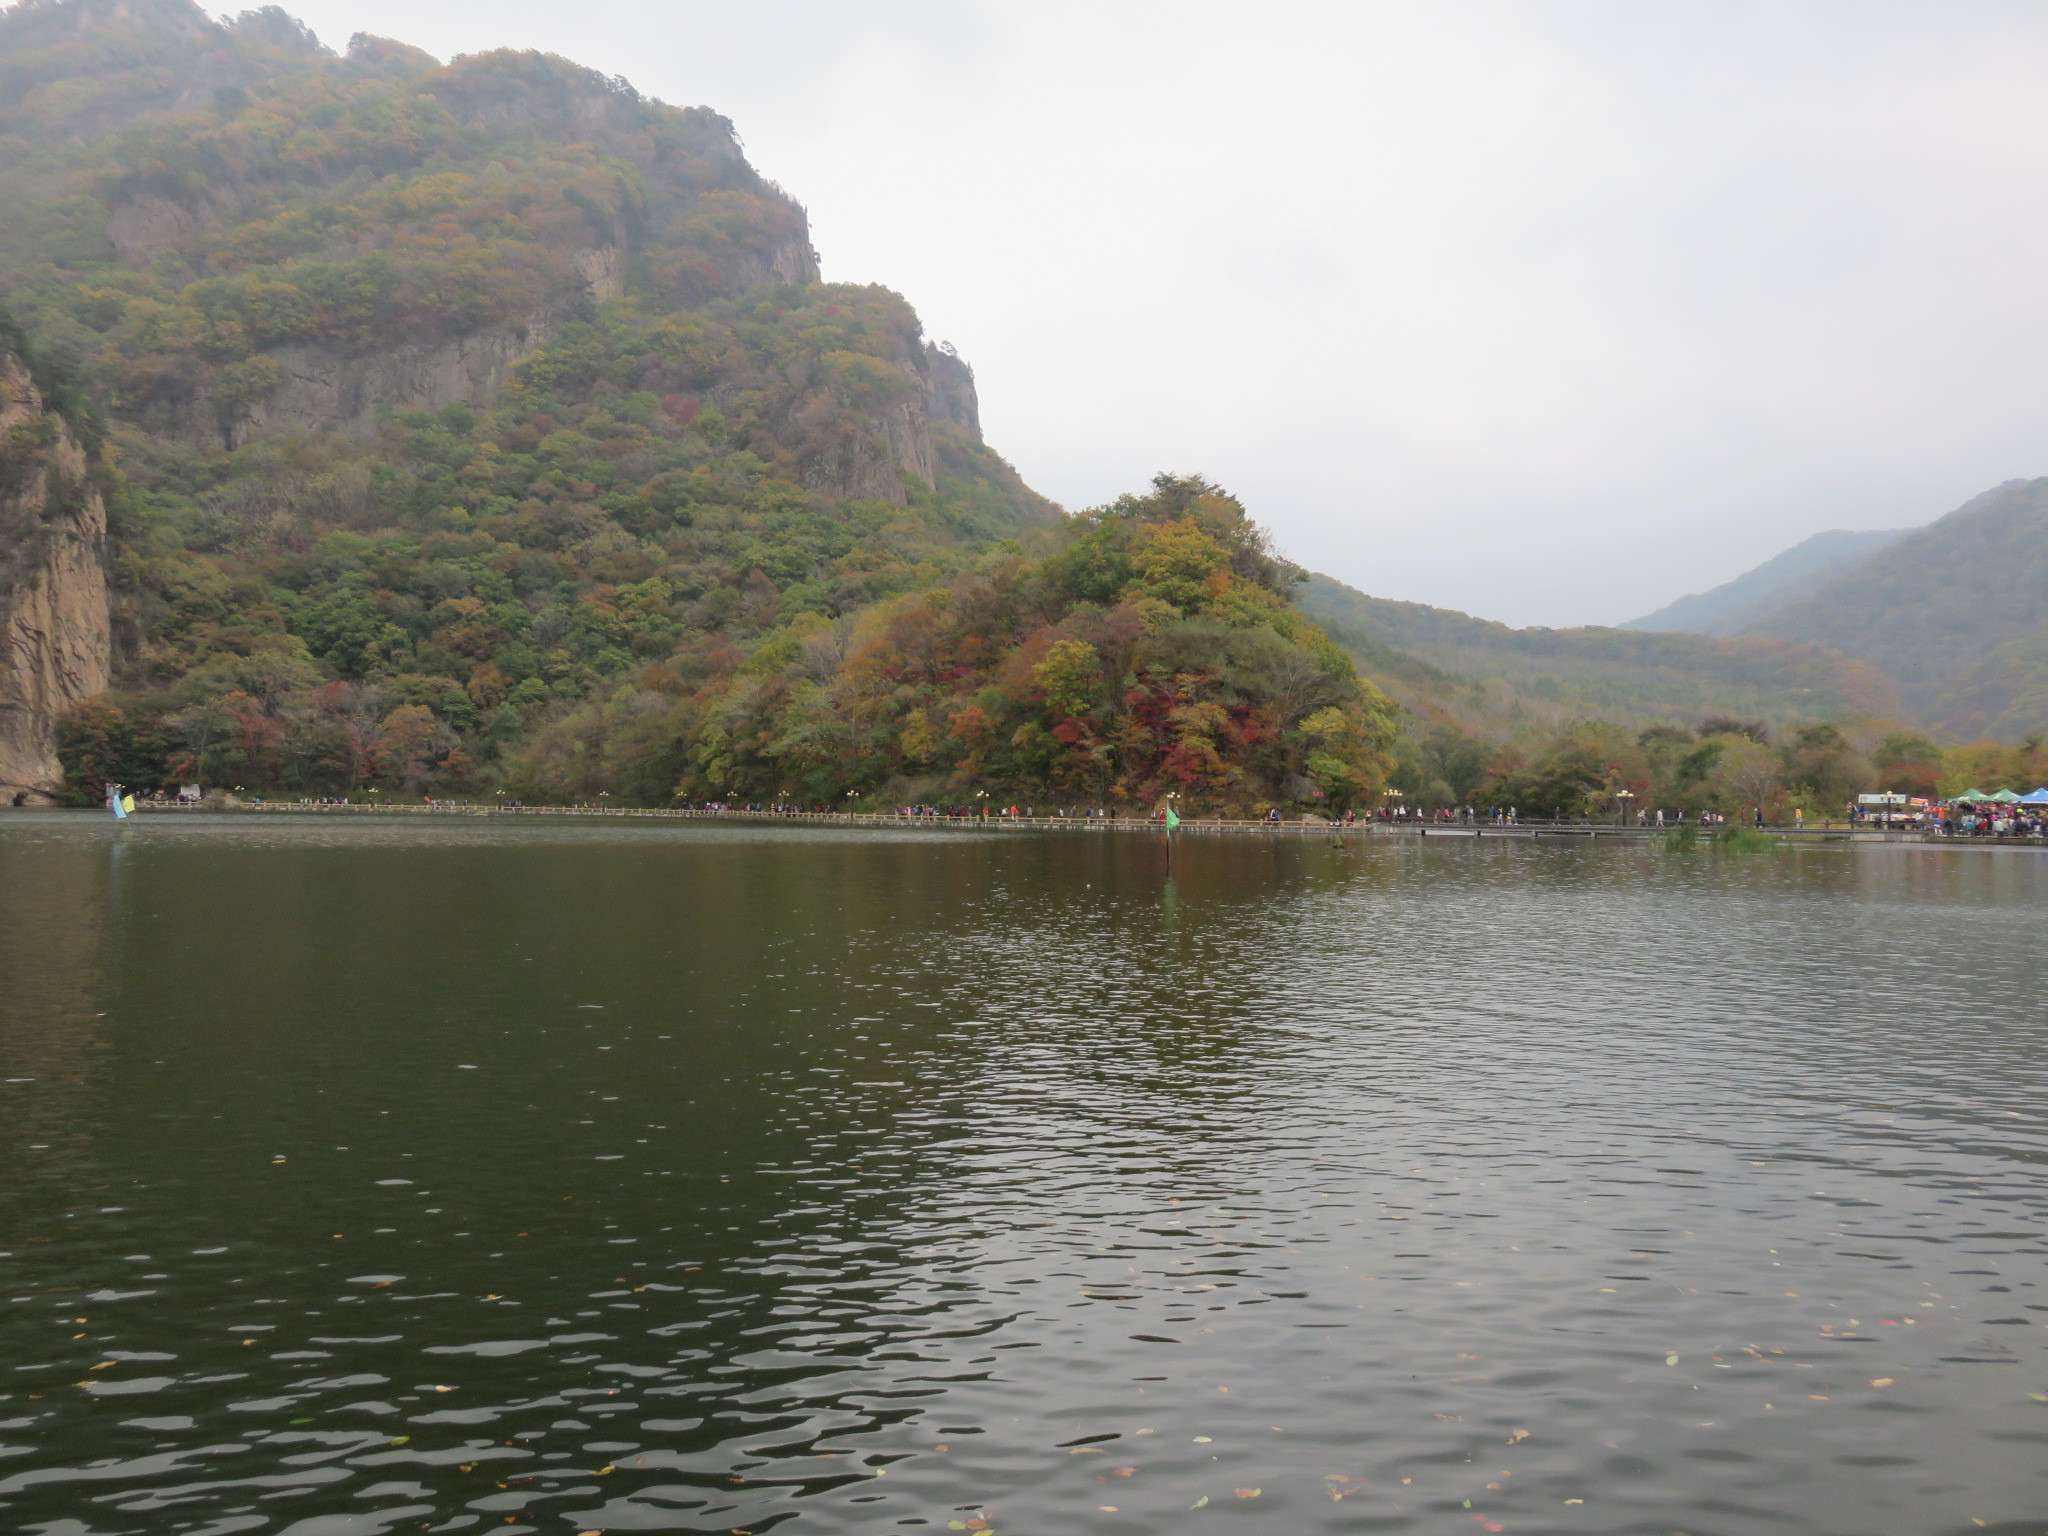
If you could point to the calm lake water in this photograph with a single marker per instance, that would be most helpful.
(363, 1177)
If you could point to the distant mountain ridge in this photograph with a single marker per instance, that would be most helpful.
(1493, 679)
(1954, 614)
(1806, 566)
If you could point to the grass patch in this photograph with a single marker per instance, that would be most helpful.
(1739, 839)
(1732, 839)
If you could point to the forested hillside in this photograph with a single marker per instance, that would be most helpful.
(1141, 649)
(487, 427)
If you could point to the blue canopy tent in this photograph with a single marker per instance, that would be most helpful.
(2038, 797)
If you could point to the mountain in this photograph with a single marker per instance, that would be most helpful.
(488, 427)
(1956, 614)
(1496, 680)
(1784, 578)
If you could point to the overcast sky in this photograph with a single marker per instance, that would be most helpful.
(1545, 312)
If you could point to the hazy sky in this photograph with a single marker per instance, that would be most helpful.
(1546, 312)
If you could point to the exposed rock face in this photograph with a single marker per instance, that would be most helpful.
(54, 622)
(604, 272)
(146, 225)
(894, 451)
(949, 388)
(322, 390)
(318, 389)
(793, 261)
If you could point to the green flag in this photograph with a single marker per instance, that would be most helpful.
(1172, 820)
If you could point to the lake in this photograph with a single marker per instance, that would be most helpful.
(363, 1176)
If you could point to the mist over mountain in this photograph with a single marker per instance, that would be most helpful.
(1728, 608)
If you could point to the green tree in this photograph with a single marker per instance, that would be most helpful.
(1069, 677)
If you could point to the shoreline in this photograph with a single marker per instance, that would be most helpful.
(1828, 835)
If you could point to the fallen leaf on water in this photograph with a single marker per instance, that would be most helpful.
(1518, 1437)
(400, 1439)
(1575, 1501)
(1123, 1471)
(1247, 1493)
(1671, 1359)
(1881, 1382)
(106, 1365)
(1201, 1503)
(1107, 1509)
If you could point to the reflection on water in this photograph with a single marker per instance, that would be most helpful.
(363, 1178)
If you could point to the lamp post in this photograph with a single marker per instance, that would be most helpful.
(1621, 800)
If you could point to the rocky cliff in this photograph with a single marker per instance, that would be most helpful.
(54, 631)
(949, 389)
(899, 452)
